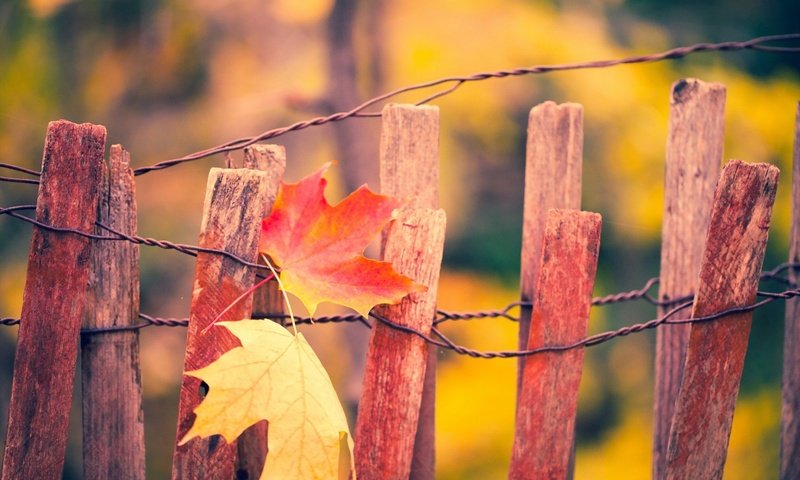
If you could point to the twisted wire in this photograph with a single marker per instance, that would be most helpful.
(458, 81)
(441, 340)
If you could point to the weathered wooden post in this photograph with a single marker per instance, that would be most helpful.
(409, 152)
(409, 156)
(54, 301)
(790, 412)
(553, 166)
(548, 397)
(729, 275)
(235, 204)
(113, 422)
(693, 160)
(394, 377)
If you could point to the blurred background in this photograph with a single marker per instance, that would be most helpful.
(169, 77)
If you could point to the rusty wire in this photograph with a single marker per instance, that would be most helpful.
(17, 168)
(19, 180)
(442, 316)
(452, 84)
(440, 339)
(192, 250)
(456, 82)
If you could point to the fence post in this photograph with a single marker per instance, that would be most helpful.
(234, 207)
(548, 397)
(394, 375)
(790, 412)
(693, 159)
(252, 443)
(729, 274)
(553, 165)
(272, 160)
(409, 153)
(113, 424)
(53, 302)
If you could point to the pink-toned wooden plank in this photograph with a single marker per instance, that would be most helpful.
(272, 160)
(234, 207)
(790, 415)
(113, 422)
(693, 161)
(409, 153)
(548, 398)
(252, 443)
(553, 165)
(729, 274)
(396, 361)
(53, 302)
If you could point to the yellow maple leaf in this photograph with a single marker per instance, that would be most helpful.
(276, 376)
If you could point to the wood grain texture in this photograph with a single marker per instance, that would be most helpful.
(729, 276)
(396, 361)
(409, 153)
(270, 159)
(693, 162)
(548, 399)
(790, 412)
(113, 422)
(252, 443)
(234, 207)
(553, 166)
(53, 302)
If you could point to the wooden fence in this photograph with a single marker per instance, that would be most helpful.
(714, 237)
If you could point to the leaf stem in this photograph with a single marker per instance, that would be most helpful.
(283, 291)
(239, 299)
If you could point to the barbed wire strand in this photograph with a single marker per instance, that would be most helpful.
(193, 250)
(19, 180)
(444, 342)
(17, 168)
(675, 53)
(458, 81)
(442, 316)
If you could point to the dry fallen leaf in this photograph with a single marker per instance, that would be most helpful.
(276, 376)
(318, 247)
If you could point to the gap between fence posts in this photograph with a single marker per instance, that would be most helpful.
(409, 156)
(53, 302)
(548, 398)
(113, 422)
(394, 375)
(234, 207)
(693, 160)
(553, 166)
(790, 411)
(729, 275)
(252, 445)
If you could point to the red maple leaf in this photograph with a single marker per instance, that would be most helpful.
(318, 247)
